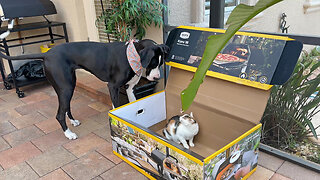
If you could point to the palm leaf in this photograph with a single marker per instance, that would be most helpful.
(239, 16)
(311, 104)
(309, 123)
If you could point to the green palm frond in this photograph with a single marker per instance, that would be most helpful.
(239, 16)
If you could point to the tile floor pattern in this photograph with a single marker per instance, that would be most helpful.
(32, 144)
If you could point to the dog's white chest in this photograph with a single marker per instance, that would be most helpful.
(134, 80)
(131, 84)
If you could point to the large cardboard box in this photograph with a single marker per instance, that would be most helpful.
(228, 108)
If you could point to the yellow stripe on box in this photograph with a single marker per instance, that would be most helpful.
(285, 38)
(194, 159)
(223, 76)
(232, 143)
(134, 166)
(249, 174)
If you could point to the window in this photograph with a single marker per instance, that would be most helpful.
(229, 6)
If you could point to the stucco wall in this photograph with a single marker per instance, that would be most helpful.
(300, 23)
(179, 11)
(182, 11)
(185, 12)
(79, 16)
(72, 13)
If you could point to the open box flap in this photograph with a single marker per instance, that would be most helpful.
(239, 102)
(287, 62)
(145, 111)
(252, 59)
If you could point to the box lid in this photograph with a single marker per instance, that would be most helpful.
(239, 80)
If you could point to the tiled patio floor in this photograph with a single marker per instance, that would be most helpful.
(32, 144)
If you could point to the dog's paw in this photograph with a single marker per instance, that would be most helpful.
(70, 135)
(75, 122)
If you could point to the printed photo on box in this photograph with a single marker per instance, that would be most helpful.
(154, 158)
(247, 57)
(237, 161)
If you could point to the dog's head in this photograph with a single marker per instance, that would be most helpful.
(152, 57)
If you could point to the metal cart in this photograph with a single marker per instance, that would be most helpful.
(13, 9)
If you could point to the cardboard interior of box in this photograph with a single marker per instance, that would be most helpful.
(224, 110)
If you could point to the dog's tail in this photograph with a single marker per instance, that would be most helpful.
(23, 57)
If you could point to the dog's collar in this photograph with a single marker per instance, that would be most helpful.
(134, 58)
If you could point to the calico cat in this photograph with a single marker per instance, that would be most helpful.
(182, 128)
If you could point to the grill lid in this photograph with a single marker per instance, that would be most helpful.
(26, 8)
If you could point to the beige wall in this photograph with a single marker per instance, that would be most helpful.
(72, 13)
(80, 17)
(90, 15)
(154, 33)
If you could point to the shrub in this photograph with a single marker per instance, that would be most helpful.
(124, 16)
(288, 115)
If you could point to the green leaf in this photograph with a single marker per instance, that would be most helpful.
(239, 16)
(315, 66)
(312, 88)
(311, 104)
(310, 125)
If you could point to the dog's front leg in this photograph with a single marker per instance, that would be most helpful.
(114, 93)
(131, 84)
(130, 94)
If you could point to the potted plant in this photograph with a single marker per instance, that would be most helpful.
(126, 16)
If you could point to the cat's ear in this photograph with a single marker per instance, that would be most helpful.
(191, 114)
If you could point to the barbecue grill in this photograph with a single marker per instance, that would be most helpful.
(26, 8)
(14, 9)
(11, 9)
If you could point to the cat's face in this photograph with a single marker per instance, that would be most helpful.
(187, 119)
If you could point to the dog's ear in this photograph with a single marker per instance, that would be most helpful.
(146, 55)
(164, 51)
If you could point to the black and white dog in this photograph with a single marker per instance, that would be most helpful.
(107, 61)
